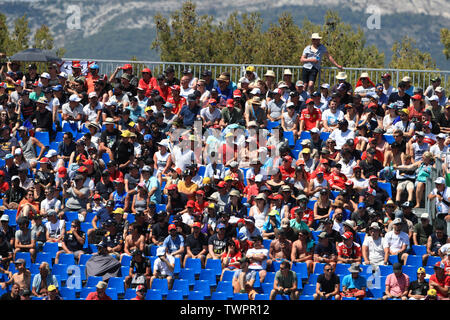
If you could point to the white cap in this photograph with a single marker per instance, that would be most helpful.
(4, 217)
(374, 225)
(325, 86)
(75, 98)
(51, 153)
(93, 94)
(259, 178)
(45, 75)
(160, 251)
(244, 80)
(425, 215)
(433, 98)
(440, 180)
(18, 151)
(397, 221)
(314, 130)
(255, 91)
(15, 177)
(63, 75)
(439, 89)
(442, 135)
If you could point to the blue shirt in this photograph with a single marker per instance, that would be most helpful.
(136, 113)
(173, 245)
(153, 182)
(189, 115)
(354, 283)
(346, 215)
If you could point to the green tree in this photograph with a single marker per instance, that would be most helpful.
(4, 35)
(406, 56)
(20, 35)
(43, 38)
(445, 39)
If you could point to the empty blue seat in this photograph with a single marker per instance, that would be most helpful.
(295, 153)
(304, 135)
(375, 292)
(387, 187)
(174, 295)
(226, 287)
(201, 171)
(196, 295)
(289, 136)
(67, 293)
(266, 243)
(188, 275)
(411, 272)
(282, 297)
(419, 250)
(215, 265)
(325, 135)
(309, 290)
(44, 257)
(117, 283)
(272, 124)
(240, 296)
(160, 207)
(393, 259)
(84, 257)
(130, 293)
(311, 204)
(67, 258)
(266, 287)
(228, 275)
(85, 226)
(389, 138)
(385, 270)
(276, 265)
(202, 286)
(306, 298)
(432, 260)
(219, 296)
(70, 216)
(208, 275)
(342, 268)
(318, 268)
(194, 264)
(270, 277)
(126, 260)
(414, 261)
(313, 279)
(181, 285)
(12, 216)
(301, 269)
(92, 281)
(112, 293)
(51, 248)
(262, 296)
(153, 294)
(124, 271)
(161, 285)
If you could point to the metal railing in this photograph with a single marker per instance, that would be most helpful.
(430, 205)
(420, 78)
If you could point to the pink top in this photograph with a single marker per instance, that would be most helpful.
(397, 285)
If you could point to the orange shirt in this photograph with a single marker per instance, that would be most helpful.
(31, 213)
(177, 105)
(90, 82)
(148, 86)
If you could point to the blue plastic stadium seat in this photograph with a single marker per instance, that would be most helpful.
(270, 277)
(295, 153)
(84, 257)
(51, 248)
(174, 295)
(362, 236)
(375, 293)
(67, 258)
(215, 265)
(153, 294)
(85, 291)
(70, 216)
(12, 216)
(208, 275)
(276, 265)
(272, 124)
(266, 287)
(196, 295)
(117, 283)
(219, 296)
(112, 293)
(124, 271)
(126, 260)
(44, 257)
(181, 285)
(226, 287)
(201, 171)
(305, 135)
(130, 293)
(393, 258)
(194, 264)
(387, 187)
(203, 286)
(415, 261)
(282, 297)
(161, 285)
(306, 298)
(315, 235)
(301, 269)
(262, 296)
(324, 135)
(26, 256)
(240, 296)
(289, 135)
(67, 293)
(389, 138)
(266, 243)
(309, 290)
(432, 260)
(419, 250)
(313, 279)
(385, 270)
(92, 281)
(228, 275)
(187, 274)
(318, 268)
(342, 268)
(411, 271)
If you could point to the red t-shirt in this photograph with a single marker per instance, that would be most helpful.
(353, 252)
(444, 282)
(148, 86)
(378, 156)
(199, 207)
(4, 187)
(337, 180)
(287, 173)
(413, 113)
(310, 118)
(177, 105)
(308, 216)
(234, 260)
(94, 296)
(164, 93)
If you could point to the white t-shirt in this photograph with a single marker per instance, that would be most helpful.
(441, 207)
(210, 116)
(258, 265)
(54, 204)
(395, 241)
(341, 137)
(75, 112)
(347, 168)
(376, 249)
(437, 152)
(332, 118)
(92, 113)
(162, 266)
(360, 183)
(55, 229)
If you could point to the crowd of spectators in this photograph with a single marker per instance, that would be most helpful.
(205, 168)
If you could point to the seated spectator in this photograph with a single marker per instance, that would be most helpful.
(230, 258)
(244, 279)
(99, 293)
(24, 241)
(73, 241)
(249, 229)
(303, 250)
(163, 267)
(55, 227)
(14, 195)
(43, 280)
(13, 294)
(396, 242)
(285, 282)
(397, 284)
(134, 240)
(280, 249)
(174, 243)
(418, 288)
(113, 239)
(328, 284)
(271, 225)
(217, 243)
(258, 256)
(440, 282)
(353, 284)
(22, 277)
(140, 271)
(348, 250)
(28, 206)
(372, 247)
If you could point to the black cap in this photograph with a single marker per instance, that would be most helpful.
(169, 70)
(110, 203)
(161, 77)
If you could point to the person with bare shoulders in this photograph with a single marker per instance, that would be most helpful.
(280, 249)
(303, 250)
(13, 295)
(394, 155)
(134, 240)
(22, 277)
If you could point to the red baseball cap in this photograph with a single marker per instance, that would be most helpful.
(212, 102)
(197, 225)
(84, 169)
(147, 70)
(323, 160)
(221, 184)
(200, 192)
(190, 204)
(76, 66)
(287, 158)
(175, 87)
(308, 101)
(88, 162)
(347, 235)
(237, 93)
(230, 103)
(172, 226)
(44, 160)
(300, 162)
(373, 177)
(118, 180)
(172, 187)
(97, 196)
(127, 66)
(372, 105)
(277, 197)
(62, 172)
(416, 97)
